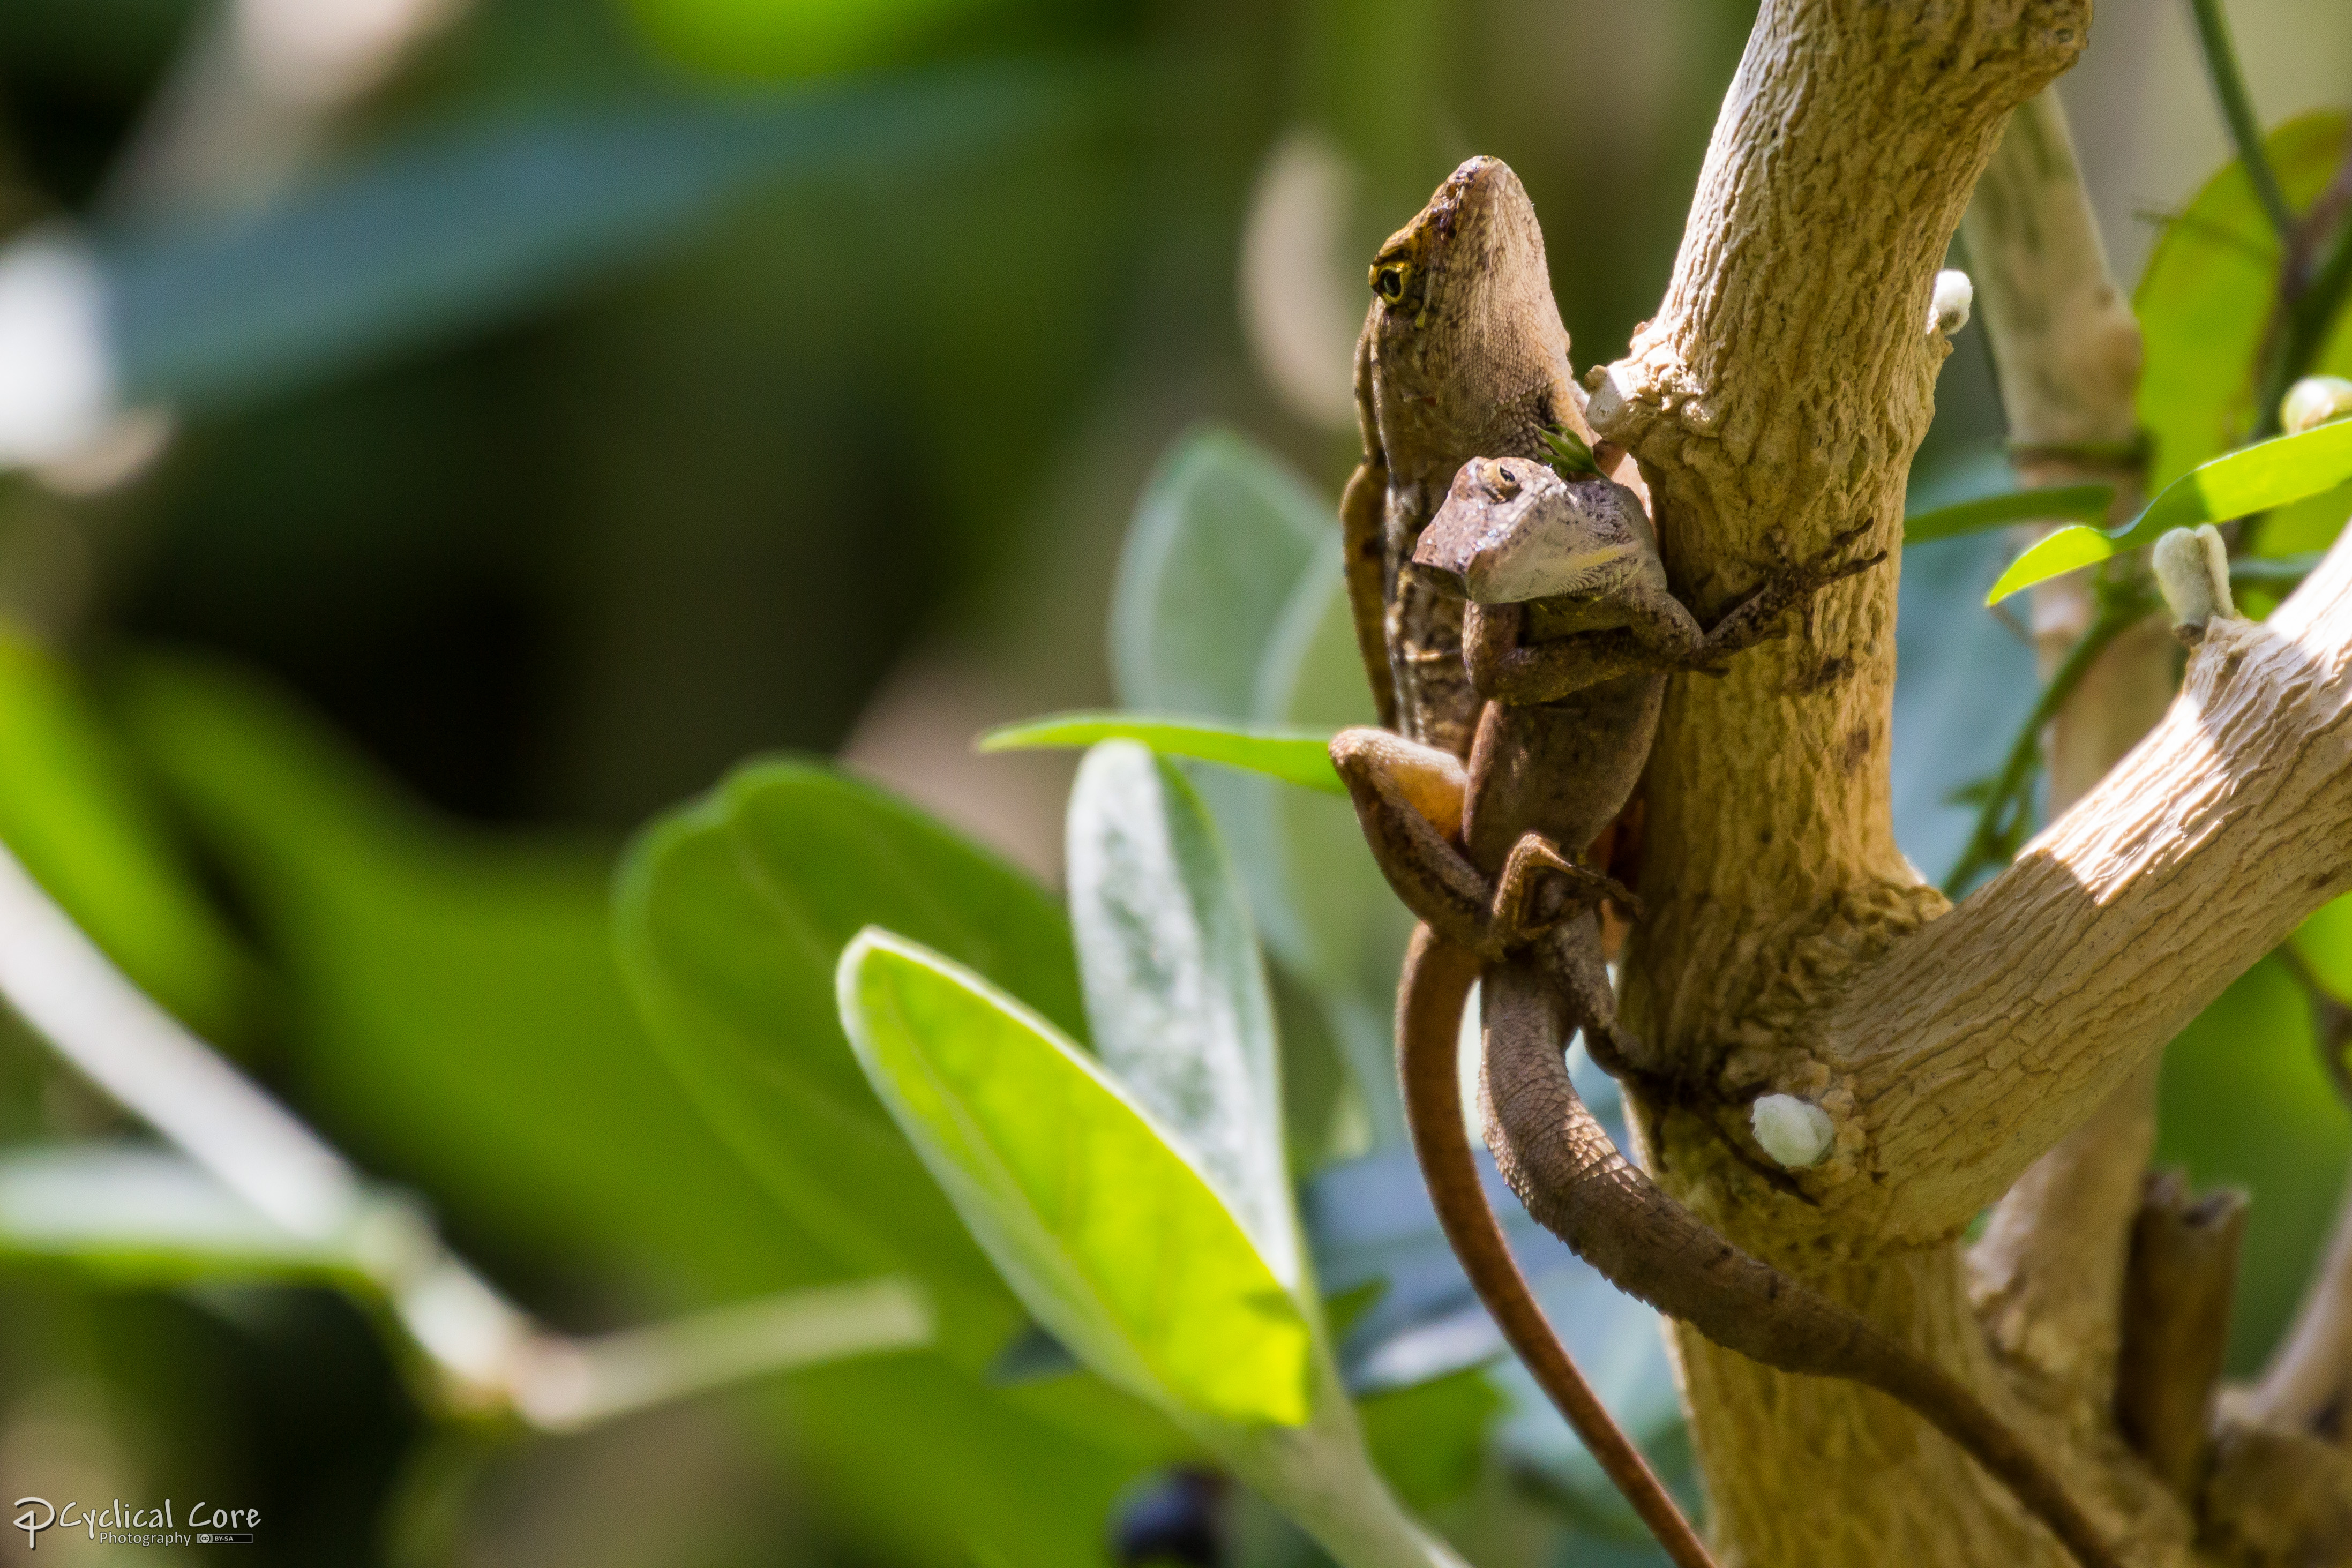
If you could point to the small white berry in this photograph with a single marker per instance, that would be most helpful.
(1795, 1133)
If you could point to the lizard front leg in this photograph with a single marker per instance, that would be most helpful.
(1751, 621)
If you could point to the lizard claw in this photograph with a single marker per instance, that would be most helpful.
(1540, 887)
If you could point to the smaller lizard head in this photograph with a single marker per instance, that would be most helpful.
(1512, 530)
(1468, 342)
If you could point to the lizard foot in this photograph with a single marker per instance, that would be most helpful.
(1540, 887)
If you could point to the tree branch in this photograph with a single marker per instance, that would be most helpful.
(2177, 1300)
(2048, 1277)
(2308, 1385)
(1980, 1040)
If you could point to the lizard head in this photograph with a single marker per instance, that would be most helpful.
(1467, 346)
(1512, 530)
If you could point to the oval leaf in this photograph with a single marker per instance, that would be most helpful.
(1294, 755)
(2203, 302)
(1104, 1226)
(1223, 530)
(732, 916)
(1175, 991)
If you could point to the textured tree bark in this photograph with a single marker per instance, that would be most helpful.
(1776, 399)
(2047, 1278)
(2177, 1296)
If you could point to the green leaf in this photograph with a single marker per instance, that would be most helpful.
(1294, 757)
(2244, 1102)
(1329, 914)
(71, 812)
(469, 225)
(732, 914)
(2054, 555)
(458, 1011)
(1567, 454)
(1104, 1227)
(1230, 604)
(1220, 535)
(2204, 300)
(2083, 502)
(148, 1216)
(2253, 479)
(1175, 989)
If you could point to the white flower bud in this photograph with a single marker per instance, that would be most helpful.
(1948, 312)
(1795, 1133)
(2193, 570)
(2314, 402)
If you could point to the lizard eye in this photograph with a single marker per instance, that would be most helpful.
(1388, 281)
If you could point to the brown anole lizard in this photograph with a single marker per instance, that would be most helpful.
(1463, 355)
(1571, 632)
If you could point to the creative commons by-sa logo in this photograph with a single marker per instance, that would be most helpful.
(119, 1524)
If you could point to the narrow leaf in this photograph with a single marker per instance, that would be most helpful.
(2054, 555)
(1101, 1223)
(2081, 503)
(2253, 479)
(1176, 994)
(1294, 755)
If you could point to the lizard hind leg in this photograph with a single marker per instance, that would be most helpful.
(1539, 887)
(1408, 800)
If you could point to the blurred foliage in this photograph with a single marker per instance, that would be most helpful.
(623, 390)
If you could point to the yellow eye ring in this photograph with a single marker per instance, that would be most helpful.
(1388, 280)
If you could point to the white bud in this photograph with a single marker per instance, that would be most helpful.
(2314, 402)
(1795, 1133)
(1954, 294)
(2193, 570)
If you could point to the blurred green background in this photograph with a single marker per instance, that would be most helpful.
(498, 419)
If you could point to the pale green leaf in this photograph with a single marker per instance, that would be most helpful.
(2055, 554)
(1344, 931)
(2204, 299)
(2253, 479)
(1223, 532)
(1176, 993)
(1106, 1228)
(1294, 755)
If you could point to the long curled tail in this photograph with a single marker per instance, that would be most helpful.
(1430, 999)
(1573, 1180)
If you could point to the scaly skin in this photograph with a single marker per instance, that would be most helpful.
(1577, 679)
(1463, 355)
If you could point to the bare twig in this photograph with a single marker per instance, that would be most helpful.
(2018, 1014)
(2175, 1324)
(2331, 1022)
(487, 1354)
(2006, 813)
(2308, 1385)
(2220, 56)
